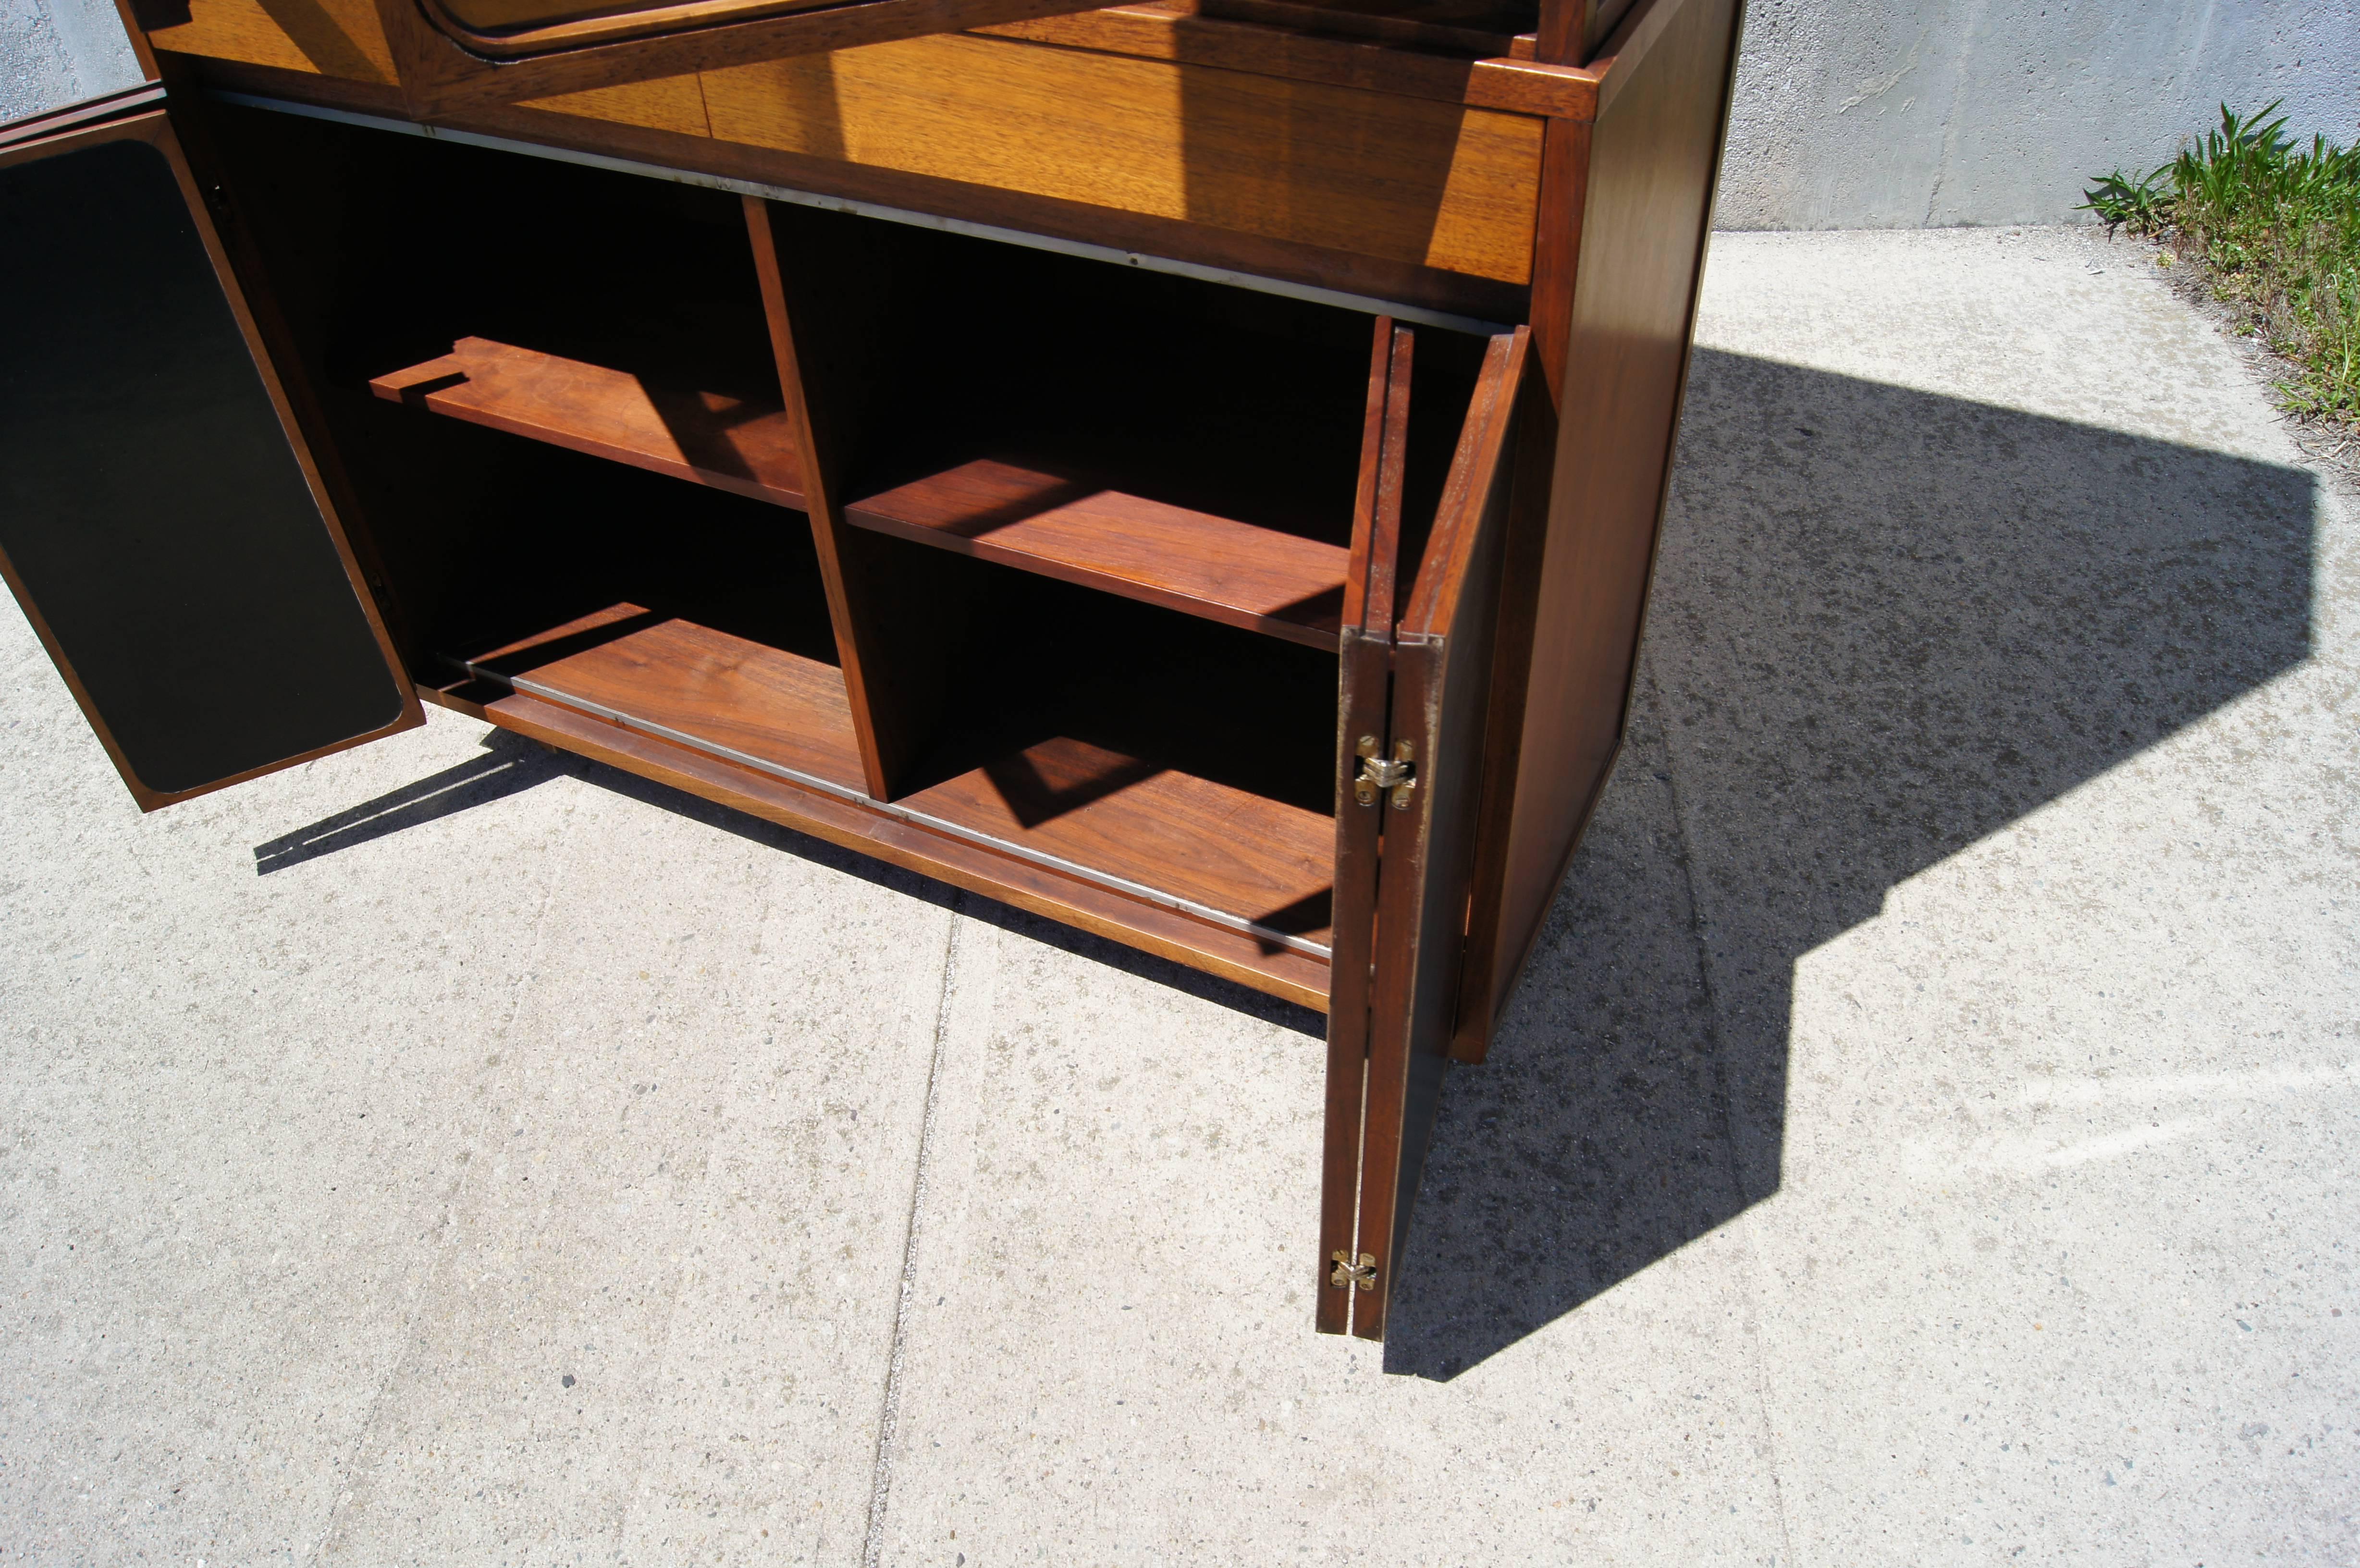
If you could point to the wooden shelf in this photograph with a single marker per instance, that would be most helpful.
(729, 444)
(1075, 529)
(689, 683)
(1259, 868)
(1217, 850)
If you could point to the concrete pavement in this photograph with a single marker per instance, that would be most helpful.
(1925, 1136)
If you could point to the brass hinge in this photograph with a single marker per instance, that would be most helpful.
(1399, 775)
(1346, 1274)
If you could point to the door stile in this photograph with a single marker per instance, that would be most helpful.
(88, 114)
(1363, 695)
(1441, 664)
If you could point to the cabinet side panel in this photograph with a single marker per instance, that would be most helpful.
(1648, 208)
(153, 515)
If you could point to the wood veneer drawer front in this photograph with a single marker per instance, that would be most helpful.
(1404, 178)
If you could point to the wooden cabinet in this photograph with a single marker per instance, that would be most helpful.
(1188, 471)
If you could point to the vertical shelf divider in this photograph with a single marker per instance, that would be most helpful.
(895, 676)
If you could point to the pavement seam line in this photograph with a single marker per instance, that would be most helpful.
(1687, 862)
(1762, 1404)
(412, 1331)
(658, 1361)
(880, 1481)
(1734, 1170)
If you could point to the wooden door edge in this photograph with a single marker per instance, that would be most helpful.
(1385, 1129)
(1364, 698)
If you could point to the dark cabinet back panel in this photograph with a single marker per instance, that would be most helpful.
(151, 506)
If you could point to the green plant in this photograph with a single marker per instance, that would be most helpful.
(2274, 227)
(2118, 200)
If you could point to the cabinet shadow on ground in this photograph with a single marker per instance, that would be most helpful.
(1885, 623)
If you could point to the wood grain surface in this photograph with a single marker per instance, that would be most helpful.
(1244, 855)
(1406, 178)
(699, 684)
(674, 103)
(325, 37)
(729, 444)
(1486, 79)
(1080, 531)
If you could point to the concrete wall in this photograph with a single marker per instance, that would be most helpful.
(55, 51)
(1926, 113)
(1877, 114)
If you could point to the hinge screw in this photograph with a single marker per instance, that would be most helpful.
(1404, 759)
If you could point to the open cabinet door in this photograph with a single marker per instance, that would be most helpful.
(1422, 782)
(453, 55)
(160, 521)
(1364, 689)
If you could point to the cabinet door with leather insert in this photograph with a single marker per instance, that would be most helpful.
(160, 520)
(455, 54)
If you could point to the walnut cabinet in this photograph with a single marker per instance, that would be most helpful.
(1188, 470)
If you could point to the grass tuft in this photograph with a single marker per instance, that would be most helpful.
(2275, 226)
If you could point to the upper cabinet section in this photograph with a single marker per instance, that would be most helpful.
(1538, 56)
(1388, 149)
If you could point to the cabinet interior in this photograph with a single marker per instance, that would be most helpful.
(1093, 521)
